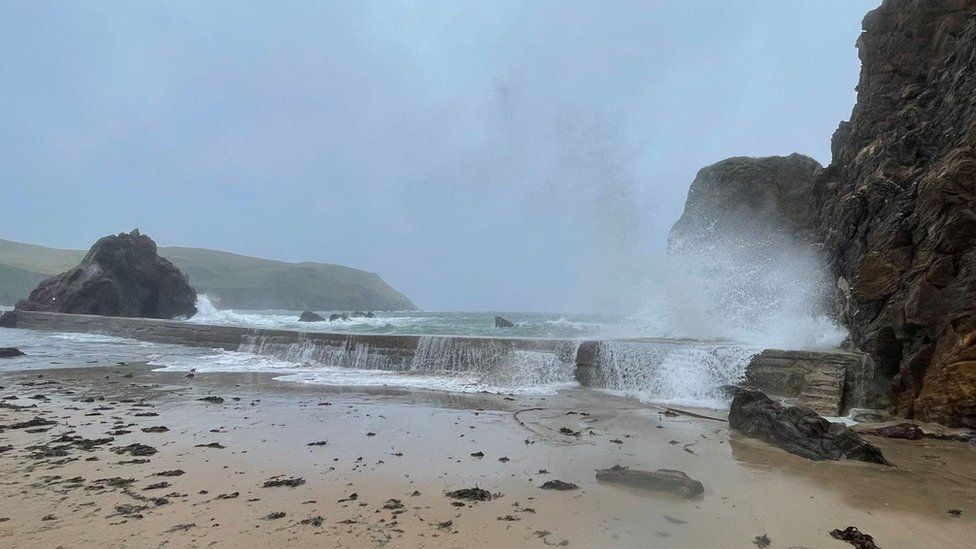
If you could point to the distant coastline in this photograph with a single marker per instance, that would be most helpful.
(232, 280)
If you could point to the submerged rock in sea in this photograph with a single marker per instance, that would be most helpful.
(501, 322)
(10, 352)
(797, 430)
(309, 316)
(121, 275)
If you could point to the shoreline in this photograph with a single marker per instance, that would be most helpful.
(422, 443)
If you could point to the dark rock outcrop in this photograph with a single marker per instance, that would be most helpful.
(121, 275)
(309, 316)
(745, 243)
(746, 195)
(893, 215)
(797, 430)
(897, 206)
(10, 352)
(501, 322)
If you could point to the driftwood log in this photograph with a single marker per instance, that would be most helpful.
(662, 480)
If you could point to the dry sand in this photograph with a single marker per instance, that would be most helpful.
(400, 452)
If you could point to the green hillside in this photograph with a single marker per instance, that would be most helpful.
(38, 259)
(16, 284)
(231, 280)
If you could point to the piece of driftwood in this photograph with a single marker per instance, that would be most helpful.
(662, 480)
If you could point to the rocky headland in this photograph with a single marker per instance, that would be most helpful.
(122, 275)
(746, 196)
(896, 205)
(894, 214)
(230, 280)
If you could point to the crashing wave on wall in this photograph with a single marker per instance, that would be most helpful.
(652, 370)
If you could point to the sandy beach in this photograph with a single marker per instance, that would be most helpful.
(373, 467)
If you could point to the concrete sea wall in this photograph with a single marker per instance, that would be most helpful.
(828, 381)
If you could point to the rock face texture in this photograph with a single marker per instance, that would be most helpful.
(743, 194)
(121, 275)
(829, 383)
(897, 205)
(797, 430)
(894, 213)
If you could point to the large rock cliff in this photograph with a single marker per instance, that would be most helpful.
(121, 275)
(742, 256)
(746, 195)
(897, 205)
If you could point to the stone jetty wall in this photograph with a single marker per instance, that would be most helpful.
(828, 381)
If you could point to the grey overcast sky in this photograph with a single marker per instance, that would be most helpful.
(500, 155)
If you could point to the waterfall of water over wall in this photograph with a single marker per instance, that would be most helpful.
(665, 370)
(652, 369)
(348, 353)
(448, 354)
(500, 361)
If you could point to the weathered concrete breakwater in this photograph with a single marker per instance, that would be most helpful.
(828, 381)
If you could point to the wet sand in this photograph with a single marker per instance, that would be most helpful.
(401, 452)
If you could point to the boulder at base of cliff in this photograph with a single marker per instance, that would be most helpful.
(797, 430)
(309, 316)
(121, 275)
(501, 322)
